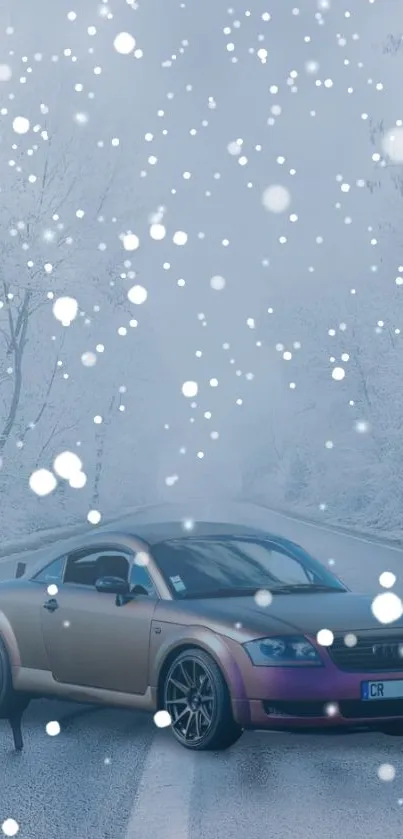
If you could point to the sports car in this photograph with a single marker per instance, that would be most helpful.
(223, 626)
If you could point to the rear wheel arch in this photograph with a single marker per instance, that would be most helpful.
(7, 692)
(12, 702)
(9, 641)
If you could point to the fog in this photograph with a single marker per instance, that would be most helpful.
(210, 108)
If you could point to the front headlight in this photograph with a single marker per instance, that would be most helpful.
(282, 651)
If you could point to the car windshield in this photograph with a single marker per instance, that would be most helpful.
(230, 566)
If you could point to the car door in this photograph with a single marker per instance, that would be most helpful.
(90, 640)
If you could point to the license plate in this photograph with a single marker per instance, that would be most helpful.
(392, 689)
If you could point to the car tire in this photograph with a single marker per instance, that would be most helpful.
(394, 729)
(12, 702)
(196, 724)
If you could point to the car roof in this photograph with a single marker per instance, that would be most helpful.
(151, 533)
(156, 532)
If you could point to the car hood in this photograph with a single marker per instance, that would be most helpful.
(288, 613)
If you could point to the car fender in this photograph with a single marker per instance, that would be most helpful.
(9, 640)
(217, 646)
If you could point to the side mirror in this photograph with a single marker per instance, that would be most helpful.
(139, 590)
(112, 585)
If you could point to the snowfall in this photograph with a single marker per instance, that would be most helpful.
(200, 287)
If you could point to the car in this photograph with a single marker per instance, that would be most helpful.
(223, 626)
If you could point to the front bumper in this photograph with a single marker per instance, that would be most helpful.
(292, 698)
(258, 714)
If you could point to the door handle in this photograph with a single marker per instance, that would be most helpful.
(51, 605)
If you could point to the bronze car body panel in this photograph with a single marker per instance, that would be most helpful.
(74, 642)
(91, 641)
(64, 652)
(242, 619)
(42, 683)
(175, 636)
(20, 623)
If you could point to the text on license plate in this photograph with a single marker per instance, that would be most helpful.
(392, 689)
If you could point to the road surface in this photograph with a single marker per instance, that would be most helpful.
(113, 773)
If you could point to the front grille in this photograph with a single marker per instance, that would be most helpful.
(286, 708)
(350, 709)
(371, 653)
(355, 709)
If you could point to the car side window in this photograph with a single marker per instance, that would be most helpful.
(52, 573)
(86, 567)
(139, 576)
(81, 568)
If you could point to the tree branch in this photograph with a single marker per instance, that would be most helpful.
(18, 350)
(100, 456)
(54, 433)
(47, 394)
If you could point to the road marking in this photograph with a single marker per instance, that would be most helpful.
(365, 540)
(162, 803)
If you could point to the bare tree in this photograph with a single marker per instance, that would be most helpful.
(54, 247)
(100, 450)
(16, 339)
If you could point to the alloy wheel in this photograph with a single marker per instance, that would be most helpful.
(190, 700)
